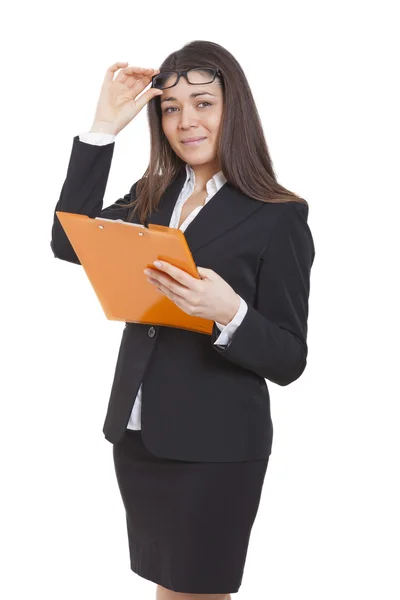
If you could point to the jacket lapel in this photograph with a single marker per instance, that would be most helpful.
(162, 215)
(226, 209)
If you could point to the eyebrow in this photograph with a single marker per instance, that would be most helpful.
(194, 95)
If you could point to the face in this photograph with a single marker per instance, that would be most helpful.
(191, 111)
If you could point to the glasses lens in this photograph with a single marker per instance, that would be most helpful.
(165, 80)
(200, 75)
(196, 76)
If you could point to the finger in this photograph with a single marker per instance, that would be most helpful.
(147, 96)
(170, 284)
(136, 86)
(181, 302)
(132, 75)
(203, 272)
(111, 70)
(175, 298)
(177, 274)
(164, 290)
(140, 70)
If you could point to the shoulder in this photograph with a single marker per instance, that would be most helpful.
(291, 227)
(280, 216)
(293, 210)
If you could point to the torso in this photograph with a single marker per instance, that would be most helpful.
(195, 200)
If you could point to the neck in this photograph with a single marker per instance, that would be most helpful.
(203, 173)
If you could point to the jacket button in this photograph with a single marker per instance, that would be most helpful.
(151, 332)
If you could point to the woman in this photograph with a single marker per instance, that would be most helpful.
(189, 414)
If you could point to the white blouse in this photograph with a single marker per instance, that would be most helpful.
(212, 186)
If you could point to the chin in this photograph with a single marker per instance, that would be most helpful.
(198, 154)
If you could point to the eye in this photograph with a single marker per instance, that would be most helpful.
(168, 108)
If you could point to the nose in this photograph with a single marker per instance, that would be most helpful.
(187, 118)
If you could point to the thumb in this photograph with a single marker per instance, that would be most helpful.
(146, 97)
(204, 273)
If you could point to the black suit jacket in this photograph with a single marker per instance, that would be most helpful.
(202, 402)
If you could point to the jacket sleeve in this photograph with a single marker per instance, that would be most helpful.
(271, 341)
(83, 192)
(226, 331)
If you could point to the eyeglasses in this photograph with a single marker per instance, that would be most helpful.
(195, 76)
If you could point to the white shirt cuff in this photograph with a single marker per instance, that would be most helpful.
(96, 138)
(228, 329)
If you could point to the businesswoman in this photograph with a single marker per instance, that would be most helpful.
(189, 413)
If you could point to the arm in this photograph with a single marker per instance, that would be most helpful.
(84, 187)
(272, 338)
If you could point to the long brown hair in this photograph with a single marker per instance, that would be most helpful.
(242, 150)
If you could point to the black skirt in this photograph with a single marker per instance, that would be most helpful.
(188, 523)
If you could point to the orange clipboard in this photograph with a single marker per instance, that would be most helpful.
(114, 254)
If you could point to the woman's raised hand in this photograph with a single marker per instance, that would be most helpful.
(118, 103)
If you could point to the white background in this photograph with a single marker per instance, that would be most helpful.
(324, 77)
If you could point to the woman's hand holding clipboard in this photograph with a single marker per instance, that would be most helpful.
(211, 297)
(114, 255)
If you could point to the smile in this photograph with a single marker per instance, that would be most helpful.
(196, 143)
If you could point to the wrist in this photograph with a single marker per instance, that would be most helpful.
(103, 127)
(230, 312)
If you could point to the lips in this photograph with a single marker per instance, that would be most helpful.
(197, 139)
